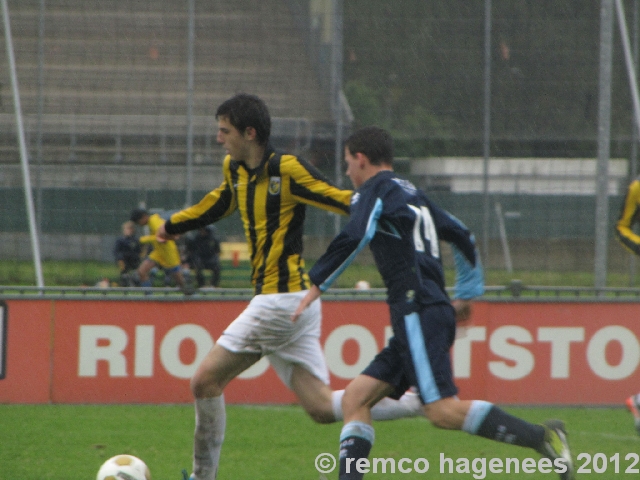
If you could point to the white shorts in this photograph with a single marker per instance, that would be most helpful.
(265, 327)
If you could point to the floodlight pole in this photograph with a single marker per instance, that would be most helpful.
(41, 27)
(190, 82)
(336, 90)
(24, 159)
(604, 144)
(486, 131)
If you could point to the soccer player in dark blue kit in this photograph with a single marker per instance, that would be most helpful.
(403, 229)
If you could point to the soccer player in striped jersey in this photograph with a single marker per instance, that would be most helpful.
(403, 229)
(629, 216)
(270, 190)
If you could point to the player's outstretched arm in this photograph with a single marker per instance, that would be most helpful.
(313, 293)
(162, 235)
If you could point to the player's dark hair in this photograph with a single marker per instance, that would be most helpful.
(374, 142)
(137, 214)
(244, 110)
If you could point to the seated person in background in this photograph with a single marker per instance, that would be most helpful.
(164, 254)
(203, 253)
(128, 254)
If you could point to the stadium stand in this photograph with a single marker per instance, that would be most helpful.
(115, 76)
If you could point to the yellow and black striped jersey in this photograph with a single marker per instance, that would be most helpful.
(271, 200)
(630, 215)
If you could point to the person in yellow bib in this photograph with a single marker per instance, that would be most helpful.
(164, 255)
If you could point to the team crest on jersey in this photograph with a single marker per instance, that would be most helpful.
(406, 185)
(274, 185)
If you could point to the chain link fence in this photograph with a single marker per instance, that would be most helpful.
(118, 99)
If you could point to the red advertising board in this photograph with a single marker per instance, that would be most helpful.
(550, 353)
(28, 350)
(108, 351)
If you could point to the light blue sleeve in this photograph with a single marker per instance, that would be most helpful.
(335, 250)
(469, 278)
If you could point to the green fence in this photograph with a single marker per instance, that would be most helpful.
(84, 211)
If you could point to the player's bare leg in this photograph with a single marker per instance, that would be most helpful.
(325, 405)
(218, 368)
(143, 272)
(486, 420)
(361, 396)
(475, 417)
(313, 394)
(182, 284)
(448, 413)
(357, 435)
(633, 404)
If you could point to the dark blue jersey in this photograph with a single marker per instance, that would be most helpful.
(128, 249)
(403, 229)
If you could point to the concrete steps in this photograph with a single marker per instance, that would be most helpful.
(117, 58)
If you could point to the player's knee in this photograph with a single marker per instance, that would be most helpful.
(203, 387)
(318, 406)
(439, 421)
(352, 402)
(348, 406)
(319, 414)
(439, 417)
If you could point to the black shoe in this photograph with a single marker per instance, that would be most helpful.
(555, 446)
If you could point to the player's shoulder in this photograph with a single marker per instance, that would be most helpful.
(390, 182)
(405, 185)
(635, 185)
(287, 161)
(633, 191)
(400, 191)
(297, 167)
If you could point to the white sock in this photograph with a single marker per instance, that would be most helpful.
(336, 404)
(409, 405)
(211, 419)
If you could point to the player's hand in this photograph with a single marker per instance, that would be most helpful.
(462, 309)
(162, 235)
(313, 293)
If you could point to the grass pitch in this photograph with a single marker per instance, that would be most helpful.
(63, 442)
(75, 273)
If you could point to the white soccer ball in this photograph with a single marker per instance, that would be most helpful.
(362, 285)
(124, 467)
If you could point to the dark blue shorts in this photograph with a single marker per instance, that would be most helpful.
(418, 354)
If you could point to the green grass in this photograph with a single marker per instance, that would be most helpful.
(77, 273)
(62, 442)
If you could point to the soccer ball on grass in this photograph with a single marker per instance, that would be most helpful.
(124, 467)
